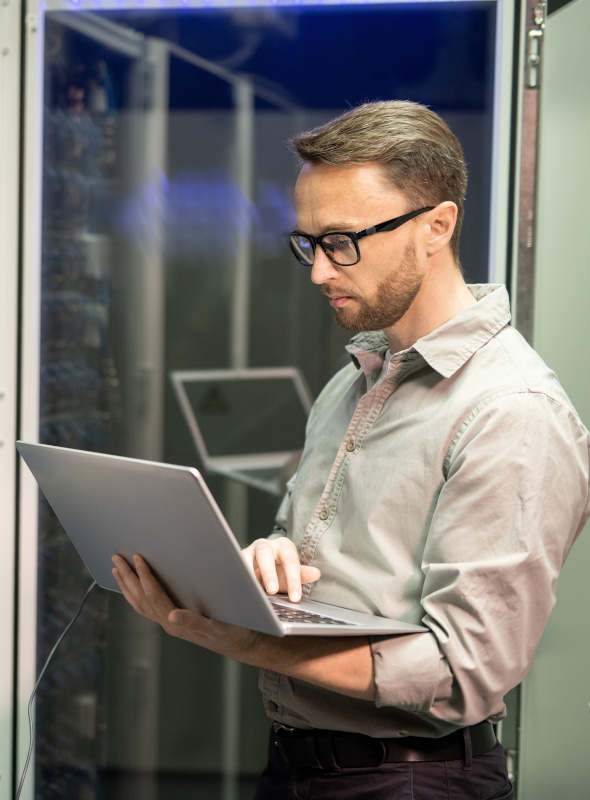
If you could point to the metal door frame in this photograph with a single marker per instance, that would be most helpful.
(10, 159)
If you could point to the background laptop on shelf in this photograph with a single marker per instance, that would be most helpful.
(110, 504)
(245, 423)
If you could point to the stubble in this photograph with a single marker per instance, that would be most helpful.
(393, 298)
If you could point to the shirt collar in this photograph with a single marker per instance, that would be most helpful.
(449, 346)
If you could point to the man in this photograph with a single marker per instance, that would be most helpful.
(443, 481)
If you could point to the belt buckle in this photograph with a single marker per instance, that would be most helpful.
(327, 748)
(382, 756)
(376, 754)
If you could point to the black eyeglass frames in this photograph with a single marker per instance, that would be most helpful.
(342, 248)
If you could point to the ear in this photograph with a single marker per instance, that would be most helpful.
(441, 221)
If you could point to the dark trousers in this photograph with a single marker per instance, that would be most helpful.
(484, 779)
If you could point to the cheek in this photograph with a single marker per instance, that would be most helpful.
(355, 285)
(378, 271)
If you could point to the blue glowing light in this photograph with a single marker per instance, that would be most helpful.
(131, 5)
(204, 216)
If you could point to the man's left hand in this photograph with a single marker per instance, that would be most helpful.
(340, 664)
(147, 597)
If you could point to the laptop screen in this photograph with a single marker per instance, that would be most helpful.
(247, 416)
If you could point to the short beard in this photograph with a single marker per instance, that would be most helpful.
(394, 297)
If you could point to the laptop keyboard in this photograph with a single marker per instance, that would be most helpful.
(288, 614)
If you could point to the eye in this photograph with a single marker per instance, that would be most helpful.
(338, 242)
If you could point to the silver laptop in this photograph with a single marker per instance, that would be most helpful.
(247, 424)
(109, 504)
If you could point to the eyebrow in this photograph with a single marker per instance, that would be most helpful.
(334, 227)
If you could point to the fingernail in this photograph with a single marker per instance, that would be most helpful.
(294, 597)
(271, 587)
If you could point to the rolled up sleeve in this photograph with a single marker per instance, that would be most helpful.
(514, 498)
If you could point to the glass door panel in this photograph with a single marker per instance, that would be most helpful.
(167, 188)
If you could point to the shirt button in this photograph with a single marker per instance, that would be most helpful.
(272, 706)
(324, 513)
(350, 445)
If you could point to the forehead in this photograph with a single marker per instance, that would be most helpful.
(328, 196)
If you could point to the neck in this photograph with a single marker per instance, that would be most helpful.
(442, 296)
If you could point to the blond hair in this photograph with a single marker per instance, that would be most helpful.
(417, 151)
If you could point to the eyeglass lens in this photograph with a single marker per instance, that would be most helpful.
(340, 248)
(303, 248)
(337, 246)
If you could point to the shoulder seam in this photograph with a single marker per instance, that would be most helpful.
(501, 394)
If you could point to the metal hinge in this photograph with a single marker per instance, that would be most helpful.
(535, 40)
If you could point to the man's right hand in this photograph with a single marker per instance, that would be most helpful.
(275, 562)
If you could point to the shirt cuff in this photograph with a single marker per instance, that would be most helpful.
(407, 670)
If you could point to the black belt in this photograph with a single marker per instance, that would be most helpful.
(332, 750)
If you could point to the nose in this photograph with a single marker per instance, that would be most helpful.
(323, 269)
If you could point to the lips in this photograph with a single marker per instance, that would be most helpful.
(335, 297)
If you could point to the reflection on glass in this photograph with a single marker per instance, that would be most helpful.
(248, 417)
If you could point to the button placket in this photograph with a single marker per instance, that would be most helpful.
(366, 413)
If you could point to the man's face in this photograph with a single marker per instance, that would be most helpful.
(375, 293)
